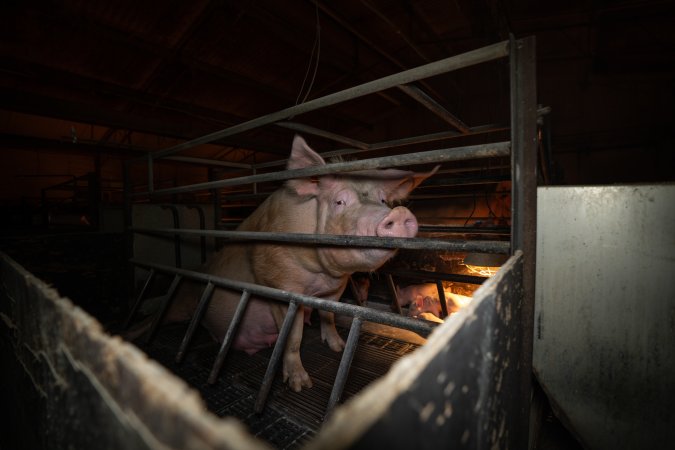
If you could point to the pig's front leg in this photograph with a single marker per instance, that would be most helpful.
(328, 332)
(293, 371)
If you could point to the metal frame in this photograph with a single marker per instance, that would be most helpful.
(522, 149)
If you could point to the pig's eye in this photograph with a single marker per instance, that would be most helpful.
(340, 202)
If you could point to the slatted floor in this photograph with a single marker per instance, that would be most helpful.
(290, 419)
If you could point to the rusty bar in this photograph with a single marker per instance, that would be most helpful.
(345, 365)
(441, 298)
(166, 301)
(371, 315)
(484, 54)
(395, 305)
(524, 208)
(196, 318)
(229, 336)
(278, 351)
(137, 303)
(344, 240)
(490, 150)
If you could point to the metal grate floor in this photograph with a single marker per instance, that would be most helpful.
(290, 419)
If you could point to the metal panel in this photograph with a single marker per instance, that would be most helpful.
(605, 311)
(460, 390)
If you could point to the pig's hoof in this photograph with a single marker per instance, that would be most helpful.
(299, 380)
(334, 342)
(337, 345)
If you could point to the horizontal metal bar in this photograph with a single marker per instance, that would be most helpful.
(341, 240)
(367, 314)
(210, 162)
(502, 231)
(432, 105)
(421, 139)
(424, 275)
(306, 129)
(484, 54)
(432, 156)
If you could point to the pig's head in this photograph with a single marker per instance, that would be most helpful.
(356, 203)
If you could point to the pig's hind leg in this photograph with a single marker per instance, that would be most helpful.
(293, 371)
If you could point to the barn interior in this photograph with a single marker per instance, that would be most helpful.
(89, 91)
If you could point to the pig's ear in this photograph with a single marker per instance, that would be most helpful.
(401, 189)
(302, 156)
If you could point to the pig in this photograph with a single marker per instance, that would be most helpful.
(354, 203)
(423, 306)
(414, 292)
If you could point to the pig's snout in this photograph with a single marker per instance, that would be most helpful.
(400, 222)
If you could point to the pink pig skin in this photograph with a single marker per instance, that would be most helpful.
(354, 203)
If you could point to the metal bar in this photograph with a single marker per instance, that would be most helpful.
(424, 275)
(345, 365)
(432, 105)
(202, 226)
(159, 315)
(355, 291)
(484, 54)
(137, 303)
(443, 135)
(278, 351)
(432, 156)
(210, 162)
(196, 318)
(441, 298)
(368, 314)
(176, 237)
(344, 240)
(229, 336)
(306, 129)
(395, 305)
(523, 207)
(505, 231)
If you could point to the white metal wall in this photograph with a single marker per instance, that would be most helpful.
(604, 344)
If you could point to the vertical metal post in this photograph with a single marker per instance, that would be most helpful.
(395, 305)
(176, 237)
(202, 226)
(523, 206)
(196, 318)
(345, 365)
(229, 336)
(441, 298)
(139, 299)
(166, 301)
(278, 351)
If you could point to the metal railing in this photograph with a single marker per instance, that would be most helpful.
(519, 95)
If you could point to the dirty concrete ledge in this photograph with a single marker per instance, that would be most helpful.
(66, 384)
